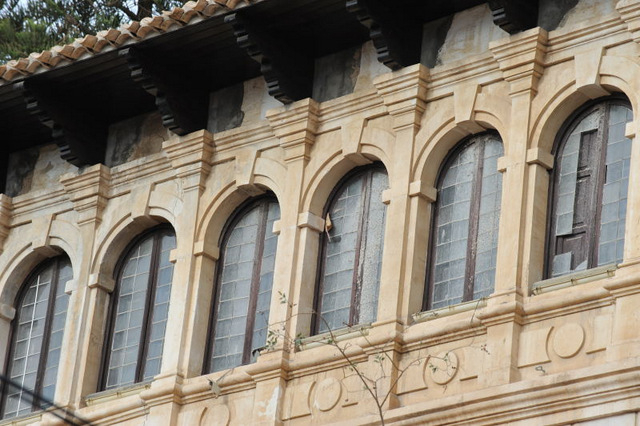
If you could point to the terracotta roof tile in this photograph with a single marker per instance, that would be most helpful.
(89, 45)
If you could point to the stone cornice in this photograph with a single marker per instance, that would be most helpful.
(521, 59)
(296, 126)
(190, 157)
(404, 94)
(629, 11)
(89, 192)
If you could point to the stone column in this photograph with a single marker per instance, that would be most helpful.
(520, 58)
(89, 193)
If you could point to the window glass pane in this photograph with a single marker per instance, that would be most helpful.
(353, 252)
(156, 333)
(466, 223)
(452, 227)
(245, 280)
(614, 193)
(488, 221)
(371, 248)
(40, 315)
(590, 192)
(344, 216)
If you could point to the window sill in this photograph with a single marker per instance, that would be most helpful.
(112, 394)
(448, 310)
(339, 335)
(577, 278)
(24, 419)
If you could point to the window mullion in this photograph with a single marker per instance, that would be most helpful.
(354, 312)
(148, 311)
(255, 282)
(474, 219)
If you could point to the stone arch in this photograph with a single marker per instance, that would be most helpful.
(443, 130)
(62, 238)
(326, 177)
(615, 74)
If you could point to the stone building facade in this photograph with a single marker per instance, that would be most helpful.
(540, 338)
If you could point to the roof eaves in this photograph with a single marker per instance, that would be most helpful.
(86, 47)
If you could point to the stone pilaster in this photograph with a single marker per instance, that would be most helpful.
(521, 60)
(404, 95)
(89, 192)
(190, 157)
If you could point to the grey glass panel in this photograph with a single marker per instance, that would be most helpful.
(30, 328)
(489, 220)
(156, 332)
(614, 195)
(261, 322)
(239, 259)
(340, 256)
(355, 241)
(129, 318)
(371, 249)
(452, 228)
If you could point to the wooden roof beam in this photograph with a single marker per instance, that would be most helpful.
(288, 71)
(76, 128)
(394, 29)
(179, 97)
(514, 16)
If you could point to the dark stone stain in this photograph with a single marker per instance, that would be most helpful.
(225, 108)
(433, 37)
(335, 75)
(551, 12)
(20, 171)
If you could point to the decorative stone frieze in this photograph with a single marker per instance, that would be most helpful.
(89, 192)
(629, 11)
(5, 218)
(404, 94)
(521, 59)
(296, 126)
(190, 157)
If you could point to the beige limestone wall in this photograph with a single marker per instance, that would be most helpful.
(534, 352)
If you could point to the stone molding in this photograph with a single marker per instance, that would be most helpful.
(629, 11)
(190, 157)
(89, 192)
(5, 218)
(296, 126)
(404, 93)
(521, 59)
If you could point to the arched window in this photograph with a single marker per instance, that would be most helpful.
(139, 310)
(243, 286)
(36, 337)
(464, 235)
(588, 201)
(351, 251)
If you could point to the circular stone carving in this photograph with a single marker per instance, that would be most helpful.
(328, 394)
(217, 415)
(568, 340)
(442, 367)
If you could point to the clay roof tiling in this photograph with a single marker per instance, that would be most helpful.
(133, 32)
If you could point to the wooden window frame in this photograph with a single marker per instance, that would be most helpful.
(474, 218)
(262, 202)
(354, 311)
(593, 228)
(157, 233)
(44, 353)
